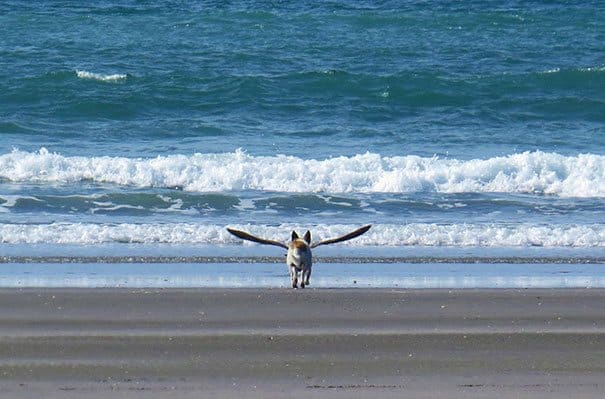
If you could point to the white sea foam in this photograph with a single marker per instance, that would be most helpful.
(594, 69)
(528, 172)
(416, 234)
(99, 76)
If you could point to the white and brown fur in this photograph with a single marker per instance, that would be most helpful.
(299, 258)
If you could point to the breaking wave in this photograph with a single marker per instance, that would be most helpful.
(413, 234)
(528, 172)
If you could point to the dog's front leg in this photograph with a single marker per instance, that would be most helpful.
(306, 275)
(294, 276)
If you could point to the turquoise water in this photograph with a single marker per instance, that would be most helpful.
(466, 80)
(446, 125)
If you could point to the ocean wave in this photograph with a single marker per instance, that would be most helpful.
(529, 172)
(414, 234)
(101, 77)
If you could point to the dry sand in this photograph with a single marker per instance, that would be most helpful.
(338, 343)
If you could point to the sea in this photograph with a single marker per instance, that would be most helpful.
(470, 134)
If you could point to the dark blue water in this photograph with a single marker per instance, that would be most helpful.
(444, 124)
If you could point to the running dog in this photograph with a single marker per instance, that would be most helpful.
(299, 258)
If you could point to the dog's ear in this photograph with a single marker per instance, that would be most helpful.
(307, 237)
(294, 235)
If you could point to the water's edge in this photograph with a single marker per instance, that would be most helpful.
(324, 259)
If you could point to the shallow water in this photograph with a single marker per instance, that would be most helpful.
(327, 275)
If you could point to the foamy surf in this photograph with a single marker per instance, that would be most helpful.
(101, 77)
(528, 172)
(413, 234)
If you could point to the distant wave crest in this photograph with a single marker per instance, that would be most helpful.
(529, 172)
(101, 77)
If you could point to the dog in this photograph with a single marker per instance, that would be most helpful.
(299, 259)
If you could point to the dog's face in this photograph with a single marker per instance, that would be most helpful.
(299, 251)
(300, 246)
(299, 259)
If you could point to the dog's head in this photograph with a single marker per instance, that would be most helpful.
(306, 237)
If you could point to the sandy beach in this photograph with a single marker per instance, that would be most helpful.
(335, 343)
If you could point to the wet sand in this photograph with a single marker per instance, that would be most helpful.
(328, 343)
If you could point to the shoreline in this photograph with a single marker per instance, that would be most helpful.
(325, 275)
(557, 260)
(314, 342)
